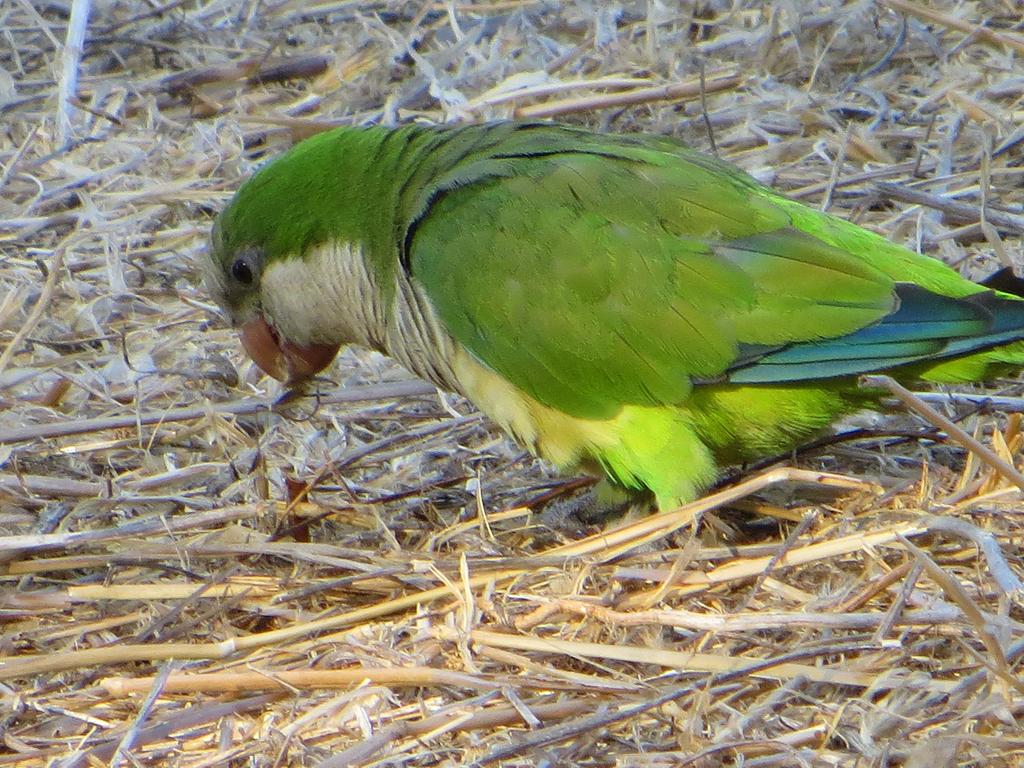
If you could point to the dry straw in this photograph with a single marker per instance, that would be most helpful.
(195, 575)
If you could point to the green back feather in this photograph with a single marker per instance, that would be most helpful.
(596, 271)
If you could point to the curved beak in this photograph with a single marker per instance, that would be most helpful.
(284, 360)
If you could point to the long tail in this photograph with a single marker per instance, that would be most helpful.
(929, 336)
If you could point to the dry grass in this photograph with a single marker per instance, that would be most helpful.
(192, 580)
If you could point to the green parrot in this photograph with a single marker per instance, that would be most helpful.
(617, 303)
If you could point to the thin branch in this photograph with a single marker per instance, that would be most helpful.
(673, 92)
(70, 59)
(923, 12)
(989, 546)
(55, 269)
(246, 406)
(936, 419)
(964, 213)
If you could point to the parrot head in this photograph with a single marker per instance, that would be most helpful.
(233, 274)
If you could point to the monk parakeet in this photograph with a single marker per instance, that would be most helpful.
(615, 302)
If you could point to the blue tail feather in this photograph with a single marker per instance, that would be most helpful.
(925, 326)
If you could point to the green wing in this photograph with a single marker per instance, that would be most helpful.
(595, 271)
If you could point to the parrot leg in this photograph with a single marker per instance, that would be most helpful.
(599, 504)
(659, 450)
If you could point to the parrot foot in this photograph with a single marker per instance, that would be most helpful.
(598, 505)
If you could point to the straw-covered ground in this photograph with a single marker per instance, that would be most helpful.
(191, 580)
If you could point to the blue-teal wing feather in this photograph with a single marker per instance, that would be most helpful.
(926, 326)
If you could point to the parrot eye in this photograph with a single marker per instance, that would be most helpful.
(242, 271)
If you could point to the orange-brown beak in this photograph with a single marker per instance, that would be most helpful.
(284, 360)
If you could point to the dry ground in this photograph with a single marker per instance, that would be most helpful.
(172, 596)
